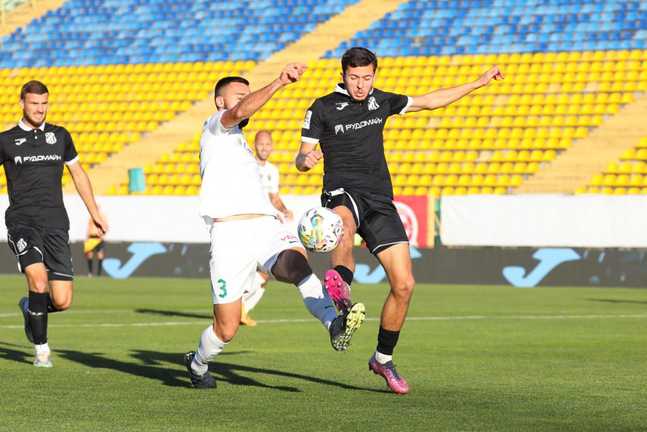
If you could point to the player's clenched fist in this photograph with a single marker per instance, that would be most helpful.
(292, 72)
(312, 158)
(492, 74)
(306, 161)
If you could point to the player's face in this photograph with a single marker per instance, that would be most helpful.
(234, 93)
(263, 144)
(34, 108)
(359, 81)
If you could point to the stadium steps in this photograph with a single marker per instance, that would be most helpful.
(574, 168)
(169, 136)
(26, 13)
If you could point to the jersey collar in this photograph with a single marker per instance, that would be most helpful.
(24, 126)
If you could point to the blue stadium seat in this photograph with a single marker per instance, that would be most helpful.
(135, 31)
(504, 26)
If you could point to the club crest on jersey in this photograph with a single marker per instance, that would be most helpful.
(372, 104)
(341, 105)
(50, 138)
(19, 141)
(339, 129)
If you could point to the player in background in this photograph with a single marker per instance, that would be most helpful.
(34, 153)
(245, 230)
(270, 181)
(94, 245)
(264, 147)
(348, 125)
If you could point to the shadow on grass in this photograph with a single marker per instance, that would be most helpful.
(619, 301)
(155, 365)
(8, 352)
(170, 313)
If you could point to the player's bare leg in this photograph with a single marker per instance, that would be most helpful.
(338, 279)
(35, 312)
(397, 264)
(60, 294)
(226, 321)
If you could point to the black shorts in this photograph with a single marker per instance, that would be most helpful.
(376, 218)
(50, 246)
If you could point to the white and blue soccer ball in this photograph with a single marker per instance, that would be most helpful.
(320, 230)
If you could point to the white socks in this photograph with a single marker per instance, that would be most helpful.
(209, 347)
(316, 300)
(382, 358)
(252, 297)
(41, 349)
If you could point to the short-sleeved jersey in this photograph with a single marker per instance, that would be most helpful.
(269, 177)
(231, 183)
(350, 134)
(33, 161)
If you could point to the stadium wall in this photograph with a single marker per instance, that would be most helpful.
(517, 267)
(164, 237)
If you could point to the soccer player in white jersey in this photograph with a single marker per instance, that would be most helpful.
(264, 147)
(245, 231)
(269, 173)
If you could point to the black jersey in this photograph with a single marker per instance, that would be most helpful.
(33, 161)
(350, 134)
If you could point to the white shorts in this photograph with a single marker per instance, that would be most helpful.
(239, 248)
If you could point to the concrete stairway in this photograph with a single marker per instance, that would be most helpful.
(574, 168)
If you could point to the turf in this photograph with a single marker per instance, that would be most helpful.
(479, 358)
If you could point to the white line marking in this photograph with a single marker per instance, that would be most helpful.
(310, 320)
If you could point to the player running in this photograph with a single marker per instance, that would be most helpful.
(33, 154)
(348, 124)
(244, 228)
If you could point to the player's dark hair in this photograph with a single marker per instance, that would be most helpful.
(34, 87)
(358, 56)
(224, 82)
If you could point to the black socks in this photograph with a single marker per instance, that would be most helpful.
(38, 316)
(386, 341)
(345, 273)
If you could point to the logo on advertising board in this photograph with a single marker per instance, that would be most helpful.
(417, 218)
(409, 220)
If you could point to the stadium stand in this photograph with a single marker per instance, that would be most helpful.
(118, 69)
(569, 66)
(107, 107)
(98, 32)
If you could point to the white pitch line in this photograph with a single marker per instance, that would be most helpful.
(94, 312)
(310, 320)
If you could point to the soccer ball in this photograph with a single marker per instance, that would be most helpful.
(320, 229)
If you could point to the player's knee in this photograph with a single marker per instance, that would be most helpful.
(403, 288)
(63, 304)
(38, 284)
(291, 266)
(225, 331)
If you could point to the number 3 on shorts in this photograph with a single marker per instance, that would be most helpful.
(222, 286)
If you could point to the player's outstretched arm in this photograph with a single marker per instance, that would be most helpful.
(84, 188)
(444, 97)
(307, 157)
(255, 100)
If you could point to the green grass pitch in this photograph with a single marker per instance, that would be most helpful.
(478, 358)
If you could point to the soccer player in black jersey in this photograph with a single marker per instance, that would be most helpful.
(348, 125)
(33, 154)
